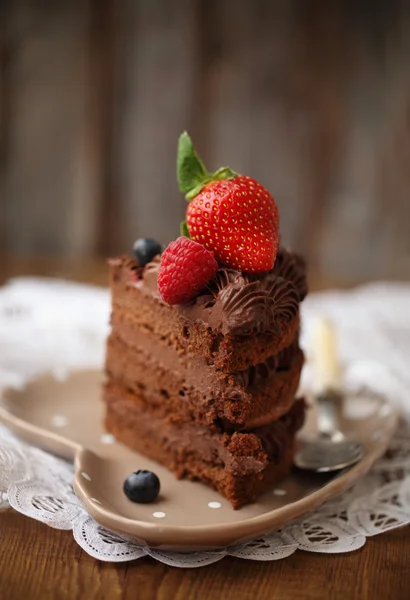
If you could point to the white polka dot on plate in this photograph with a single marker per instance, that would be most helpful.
(107, 438)
(86, 476)
(60, 374)
(384, 410)
(59, 421)
(158, 515)
(279, 492)
(214, 504)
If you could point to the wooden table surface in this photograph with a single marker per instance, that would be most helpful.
(39, 563)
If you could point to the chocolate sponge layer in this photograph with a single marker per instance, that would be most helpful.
(136, 302)
(239, 465)
(186, 388)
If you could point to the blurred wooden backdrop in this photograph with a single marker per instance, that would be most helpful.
(310, 97)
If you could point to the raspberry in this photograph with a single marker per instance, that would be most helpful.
(186, 267)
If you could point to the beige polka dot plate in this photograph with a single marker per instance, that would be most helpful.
(65, 417)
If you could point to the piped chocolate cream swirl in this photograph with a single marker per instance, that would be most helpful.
(243, 305)
(251, 309)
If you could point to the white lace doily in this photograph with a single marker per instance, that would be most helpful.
(47, 324)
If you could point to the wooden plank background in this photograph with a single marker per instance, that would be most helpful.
(310, 97)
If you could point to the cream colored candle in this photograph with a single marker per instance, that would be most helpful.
(325, 359)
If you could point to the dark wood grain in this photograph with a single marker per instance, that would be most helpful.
(104, 71)
(158, 52)
(310, 97)
(40, 563)
(48, 181)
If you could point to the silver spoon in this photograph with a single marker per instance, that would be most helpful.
(331, 450)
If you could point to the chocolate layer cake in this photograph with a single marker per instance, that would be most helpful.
(208, 387)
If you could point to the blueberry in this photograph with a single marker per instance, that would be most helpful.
(141, 486)
(145, 249)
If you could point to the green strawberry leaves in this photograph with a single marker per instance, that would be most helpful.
(191, 172)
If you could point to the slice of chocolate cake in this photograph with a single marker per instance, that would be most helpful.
(205, 382)
(204, 388)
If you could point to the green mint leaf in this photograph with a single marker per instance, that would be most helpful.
(191, 171)
(184, 229)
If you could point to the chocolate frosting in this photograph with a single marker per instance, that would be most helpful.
(150, 274)
(275, 440)
(253, 307)
(292, 267)
(240, 304)
(257, 373)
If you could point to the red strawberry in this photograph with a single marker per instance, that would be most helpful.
(232, 215)
(186, 267)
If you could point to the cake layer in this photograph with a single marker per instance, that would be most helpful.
(236, 322)
(240, 465)
(185, 388)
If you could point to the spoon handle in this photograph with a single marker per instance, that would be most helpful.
(329, 407)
